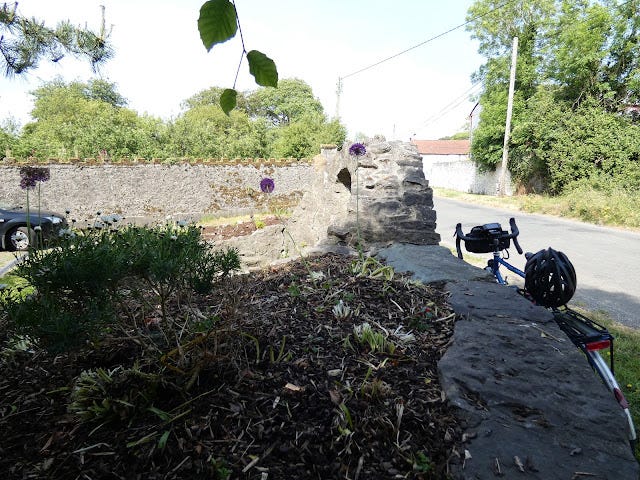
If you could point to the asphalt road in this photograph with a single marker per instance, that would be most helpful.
(607, 260)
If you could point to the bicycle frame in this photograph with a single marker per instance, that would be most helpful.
(495, 268)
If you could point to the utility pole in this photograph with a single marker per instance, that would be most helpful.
(507, 128)
(338, 92)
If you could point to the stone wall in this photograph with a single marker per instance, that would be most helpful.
(380, 198)
(158, 190)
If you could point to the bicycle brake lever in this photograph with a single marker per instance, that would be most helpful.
(457, 235)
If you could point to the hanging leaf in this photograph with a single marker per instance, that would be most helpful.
(217, 22)
(263, 69)
(228, 100)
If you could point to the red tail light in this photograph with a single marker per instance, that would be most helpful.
(599, 345)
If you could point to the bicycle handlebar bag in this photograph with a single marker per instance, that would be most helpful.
(483, 238)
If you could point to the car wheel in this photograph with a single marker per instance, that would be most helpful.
(20, 238)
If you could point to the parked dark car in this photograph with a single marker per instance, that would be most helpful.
(18, 234)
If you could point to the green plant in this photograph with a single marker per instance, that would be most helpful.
(372, 268)
(423, 319)
(375, 388)
(112, 395)
(80, 286)
(422, 463)
(217, 23)
(294, 290)
(375, 340)
(267, 186)
(16, 346)
(281, 355)
(219, 468)
(341, 311)
(358, 150)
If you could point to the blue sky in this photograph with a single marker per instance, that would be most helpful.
(160, 60)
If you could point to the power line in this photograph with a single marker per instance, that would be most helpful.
(426, 41)
(450, 106)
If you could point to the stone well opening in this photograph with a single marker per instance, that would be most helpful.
(344, 177)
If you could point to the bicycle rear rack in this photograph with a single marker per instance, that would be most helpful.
(584, 332)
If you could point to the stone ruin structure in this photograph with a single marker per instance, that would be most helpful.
(375, 199)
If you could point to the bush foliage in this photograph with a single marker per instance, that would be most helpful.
(80, 287)
(577, 89)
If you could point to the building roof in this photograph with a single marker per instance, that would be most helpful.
(442, 147)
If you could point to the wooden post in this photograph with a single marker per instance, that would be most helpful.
(507, 128)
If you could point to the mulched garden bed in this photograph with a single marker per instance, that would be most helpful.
(237, 229)
(276, 387)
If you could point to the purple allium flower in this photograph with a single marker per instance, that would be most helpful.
(29, 176)
(357, 150)
(27, 183)
(267, 185)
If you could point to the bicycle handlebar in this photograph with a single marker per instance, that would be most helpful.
(513, 236)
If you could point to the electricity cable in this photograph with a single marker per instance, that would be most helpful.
(426, 41)
(451, 106)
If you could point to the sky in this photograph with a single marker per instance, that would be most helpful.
(160, 60)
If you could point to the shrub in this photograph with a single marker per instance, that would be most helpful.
(83, 283)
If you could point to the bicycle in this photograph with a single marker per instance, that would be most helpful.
(553, 293)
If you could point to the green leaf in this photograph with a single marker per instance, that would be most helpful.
(228, 100)
(263, 69)
(163, 440)
(160, 413)
(217, 22)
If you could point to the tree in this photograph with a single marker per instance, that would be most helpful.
(85, 119)
(24, 42)
(292, 100)
(105, 91)
(9, 134)
(576, 53)
(211, 96)
(284, 122)
(573, 52)
(622, 64)
(206, 131)
(495, 24)
(302, 139)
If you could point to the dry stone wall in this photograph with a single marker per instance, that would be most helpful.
(380, 198)
(156, 190)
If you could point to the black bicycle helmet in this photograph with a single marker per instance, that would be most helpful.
(550, 278)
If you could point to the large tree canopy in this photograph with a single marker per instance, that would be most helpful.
(90, 119)
(84, 119)
(572, 52)
(285, 122)
(24, 42)
(292, 100)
